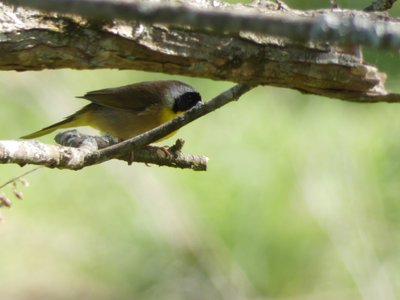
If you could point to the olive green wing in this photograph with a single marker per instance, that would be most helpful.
(134, 97)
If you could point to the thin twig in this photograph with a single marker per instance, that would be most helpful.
(4, 200)
(161, 156)
(14, 179)
(153, 135)
(380, 5)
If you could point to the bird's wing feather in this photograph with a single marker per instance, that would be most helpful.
(135, 97)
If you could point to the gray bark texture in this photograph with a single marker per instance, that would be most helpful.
(192, 46)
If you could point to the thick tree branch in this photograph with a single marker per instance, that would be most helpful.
(30, 40)
(57, 156)
(197, 38)
(337, 27)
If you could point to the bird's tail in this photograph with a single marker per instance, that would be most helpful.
(70, 121)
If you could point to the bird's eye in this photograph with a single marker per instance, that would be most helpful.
(186, 101)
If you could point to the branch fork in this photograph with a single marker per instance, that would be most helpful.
(76, 151)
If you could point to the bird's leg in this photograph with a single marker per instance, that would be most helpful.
(164, 150)
(131, 157)
(168, 151)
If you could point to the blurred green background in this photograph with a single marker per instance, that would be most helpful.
(301, 200)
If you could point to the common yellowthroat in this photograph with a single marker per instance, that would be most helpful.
(130, 110)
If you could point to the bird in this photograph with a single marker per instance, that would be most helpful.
(127, 111)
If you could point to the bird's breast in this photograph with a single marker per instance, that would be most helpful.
(125, 124)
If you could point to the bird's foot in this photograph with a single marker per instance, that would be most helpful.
(73, 138)
(164, 150)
